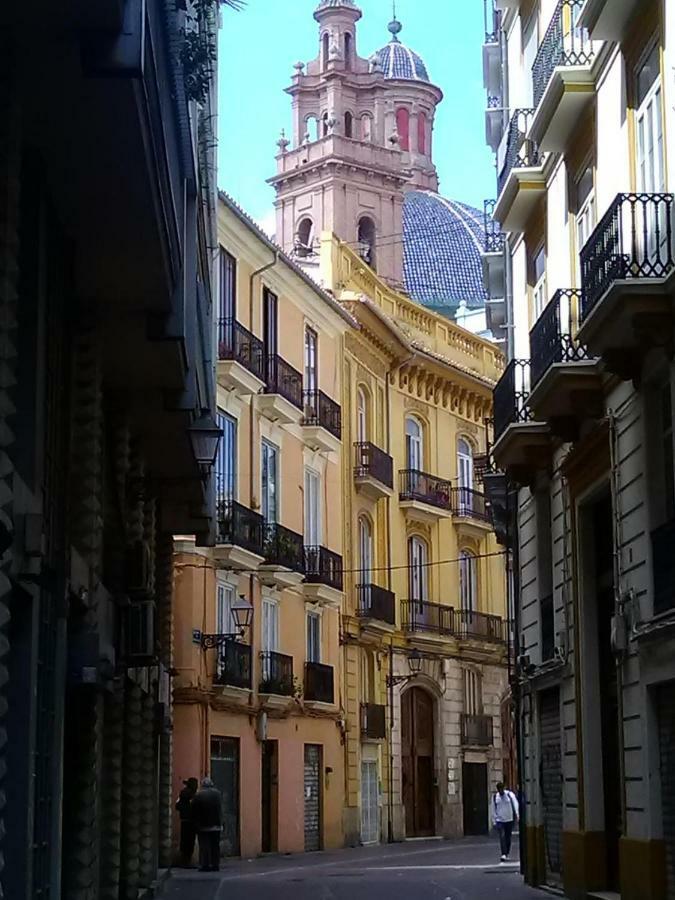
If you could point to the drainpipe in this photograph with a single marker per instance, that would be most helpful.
(514, 586)
(390, 822)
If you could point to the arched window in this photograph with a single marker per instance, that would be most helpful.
(348, 51)
(366, 128)
(365, 551)
(467, 582)
(312, 128)
(305, 237)
(465, 476)
(362, 417)
(325, 44)
(414, 444)
(418, 558)
(366, 240)
(349, 125)
(422, 132)
(324, 125)
(403, 127)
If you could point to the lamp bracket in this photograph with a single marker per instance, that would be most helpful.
(209, 641)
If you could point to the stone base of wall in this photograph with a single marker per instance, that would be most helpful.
(351, 826)
(643, 869)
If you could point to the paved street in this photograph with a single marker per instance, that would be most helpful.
(429, 870)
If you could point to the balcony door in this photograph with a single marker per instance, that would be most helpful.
(226, 461)
(361, 416)
(270, 635)
(227, 302)
(312, 508)
(465, 476)
(467, 584)
(650, 161)
(313, 637)
(224, 619)
(365, 551)
(419, 578)
(311, 380)
(270, 483)
(270, 322)
(414, 446)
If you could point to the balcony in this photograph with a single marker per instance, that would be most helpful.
(471, 512)
(562, 77)
(476, 730)
(283, 553)
(323, 576)
(494, 272)
(663, 563)
(521, 444)
(494, 121)
(628, 277)
(234, 666)
(492, 61)
(239, 537)
(608, 20)
(319, 686)
(430, 619)
(376, 607)
(424, 497)
(276, 674)
(565, 379)
(241, 358)
(373, 471)
(373, 722)
(281, 400)
(521, 181)
(322, 424)
(480, 626)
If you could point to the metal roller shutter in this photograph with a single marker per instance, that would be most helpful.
(665, 705)
(551, 782)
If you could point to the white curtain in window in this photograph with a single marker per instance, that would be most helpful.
(312, 508)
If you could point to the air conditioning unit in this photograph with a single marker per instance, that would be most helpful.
(137, 568)
(140, 630)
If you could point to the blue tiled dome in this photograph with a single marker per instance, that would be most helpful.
(398, 61)
(442, 243)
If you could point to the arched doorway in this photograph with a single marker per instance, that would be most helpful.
(417, 759)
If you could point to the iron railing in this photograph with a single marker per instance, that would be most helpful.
(321, 410)
(236, 342)
(510, 396)
(492, 22)
(375, 602)
(319, 683)
(276, 674)
(486, 627)
(373, 721)
(283, 547)
(281, 378)
(634, 239)
(370, 460)
(547, 626)
(564, 44)
(663, 564)
(429, 489)
(477, 730)
(420, 615)
(240, 526)
(470, 504)
(234, 664)
(553, 335)
(322, 566)
(520, 152)
(494, 236)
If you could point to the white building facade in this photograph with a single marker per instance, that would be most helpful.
(581, 115)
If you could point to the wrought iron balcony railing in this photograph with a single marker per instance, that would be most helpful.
(492, 22)
(470, 504)
(237, 343)
(322, 566)
(634, 239)
(276, 674)
(510, 396)
(420, 615)
(283, 547)
(375, 602)
(519, 152)
(319, 683)
(281, 378)
(321, 410)
(240, 526)
(370, 460)
(425, 488)
(373, 721)
(553, 335)
(564, 44)
(547, 626)
(663, 563)
(469, 624)
(234, 665)
(494, 236)
(477, 730)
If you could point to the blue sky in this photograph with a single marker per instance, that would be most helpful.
(259, 45)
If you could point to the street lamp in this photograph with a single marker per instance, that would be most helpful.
(414, 664)
(242, 616)
(205, 435)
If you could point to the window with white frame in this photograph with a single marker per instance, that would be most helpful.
(473, 693)
(365, 551)
(414, 443)
(225, 597)
(361, 415)
(270, 483)
(312, 508)
(313, 637)
(585, 216)
(270, 634)
(418, 559)
(467, 581)
(226, 461)
(465, 476)
(649, 125)
(311, 380)
(539, 291)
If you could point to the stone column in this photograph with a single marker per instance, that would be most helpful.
(148, 788)
(164, 593)
(111, 794)
(131, 792)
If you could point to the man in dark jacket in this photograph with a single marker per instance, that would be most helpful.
(207, 816)
(187, 828)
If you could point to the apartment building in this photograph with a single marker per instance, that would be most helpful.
(581, 117)
(258, 695)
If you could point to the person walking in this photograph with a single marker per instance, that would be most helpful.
(207, 816)
(187, 828)
(505, 812)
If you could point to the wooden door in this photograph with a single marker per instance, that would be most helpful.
(225, 775)
(417, 757)
(270, 814)
(475, 798)
(313, 798)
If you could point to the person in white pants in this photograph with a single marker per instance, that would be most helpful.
(504, 817)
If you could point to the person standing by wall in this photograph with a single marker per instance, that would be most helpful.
(504, 816)
(207, 817)
(187, 828)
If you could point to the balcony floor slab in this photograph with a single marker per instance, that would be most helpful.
(279, 576)
(423, 512)
(524, 188)
(316, 437)
(278, 409)
(233, 376)
(568, 390)
(323, 595)
(570, 90)
(230, 556)
(522, 447)
(371, 487)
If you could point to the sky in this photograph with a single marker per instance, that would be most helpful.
(259, 45)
